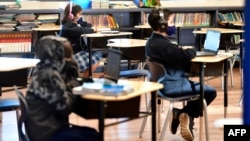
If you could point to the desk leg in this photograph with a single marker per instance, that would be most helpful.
(90, 42)
(225, 87)
(202, 73)
(153, 112)
(101, 119)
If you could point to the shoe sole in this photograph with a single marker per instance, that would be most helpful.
(185, 131)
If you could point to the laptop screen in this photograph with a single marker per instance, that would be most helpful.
(186, 37)
(212, 41)
(113, 65)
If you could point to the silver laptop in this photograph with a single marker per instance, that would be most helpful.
(211, 44)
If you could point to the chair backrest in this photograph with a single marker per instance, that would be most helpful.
(156, 70)
(23, 116)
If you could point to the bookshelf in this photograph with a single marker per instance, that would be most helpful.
(127, 18)
(18, 42)
(17, 36)
(231, 15)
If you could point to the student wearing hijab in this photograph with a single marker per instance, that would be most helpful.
(50, 98)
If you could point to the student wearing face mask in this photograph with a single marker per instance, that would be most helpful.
(176, 83)
(72, 29)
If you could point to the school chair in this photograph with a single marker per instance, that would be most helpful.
(158, 73)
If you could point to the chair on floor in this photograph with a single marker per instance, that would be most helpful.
(9, 104)
(23, 116)
(158, 72)
(233, 45)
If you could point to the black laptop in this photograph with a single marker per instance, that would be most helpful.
(108, 85)
(211, 44)
(112, 68)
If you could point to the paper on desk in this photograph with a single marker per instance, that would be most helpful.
(106, 89)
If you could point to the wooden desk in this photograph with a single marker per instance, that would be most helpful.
(47, 28)
(214, 59)
(140, 87)
(142, 28)
(43, 30)
(126, 43)
(90, 38)
(222, 30)
(13, 71)
(239, 24)
(203, 60)
(132, 49)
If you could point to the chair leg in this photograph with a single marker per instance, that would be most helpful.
(148, 108)
(241, 99)
(159, 114)
(222, 82)
(17, 116)
(206, 119)
(170, 109)
(231, 65)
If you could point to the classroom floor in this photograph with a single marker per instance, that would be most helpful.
(129, 131)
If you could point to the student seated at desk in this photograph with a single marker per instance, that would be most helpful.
(49, 95)
(175, 59)
(72, 30)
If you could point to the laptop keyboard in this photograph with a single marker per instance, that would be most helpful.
(205, 53)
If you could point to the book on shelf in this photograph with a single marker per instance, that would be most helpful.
(102, 21)
(188, 19)
(9, 7)
(15, 42)
(232, 17)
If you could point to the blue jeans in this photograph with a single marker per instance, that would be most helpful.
(190, 88)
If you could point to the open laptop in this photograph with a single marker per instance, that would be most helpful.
(211, 44)
(112, 69)
(109, 84)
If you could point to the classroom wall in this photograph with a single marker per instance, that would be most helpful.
(165, 3)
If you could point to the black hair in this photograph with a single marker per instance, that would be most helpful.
(75, 9)
(154, 17)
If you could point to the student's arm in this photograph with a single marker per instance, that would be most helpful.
(169, 53)
(81, 30)
(84, 23)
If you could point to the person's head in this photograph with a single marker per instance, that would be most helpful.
(72, 12)
(158, 19)
(51, 50)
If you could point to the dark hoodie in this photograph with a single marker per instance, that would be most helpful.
(49, 100)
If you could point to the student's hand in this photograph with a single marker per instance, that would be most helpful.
(95, 29)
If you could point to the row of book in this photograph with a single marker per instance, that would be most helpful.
(232, 17)
(15, 42)
(188, 19)
(102, 21)
(22, 22)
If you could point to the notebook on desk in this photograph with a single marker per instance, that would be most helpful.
(211, 44)
(109, 84)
